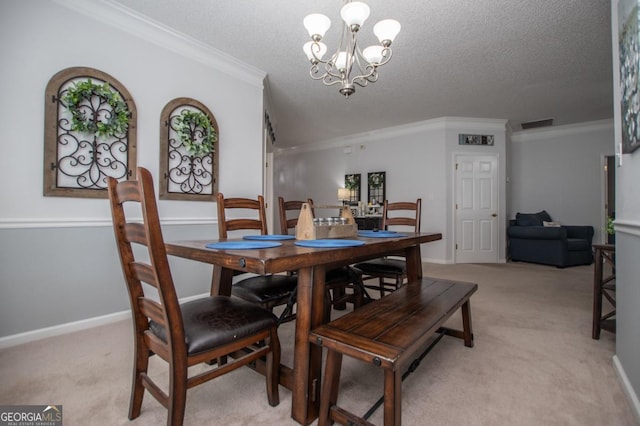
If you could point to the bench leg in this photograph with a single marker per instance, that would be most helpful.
(329, 396)
(392, 397)
(466, 324)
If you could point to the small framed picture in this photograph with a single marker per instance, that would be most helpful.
(464, 139)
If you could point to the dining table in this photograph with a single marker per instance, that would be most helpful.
(310, 264)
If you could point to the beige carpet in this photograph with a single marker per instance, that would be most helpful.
(534, 363)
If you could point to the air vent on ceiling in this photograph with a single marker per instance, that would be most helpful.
(538, 123)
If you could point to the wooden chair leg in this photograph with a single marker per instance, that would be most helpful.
(466, 324)
(392, 397)
(381, 283)
(140, 366)
(273, 368)
(177, 394)
(329, 396)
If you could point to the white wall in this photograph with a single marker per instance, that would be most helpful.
(57, 255)
(417, 159)
(560, 170)
(627, 226)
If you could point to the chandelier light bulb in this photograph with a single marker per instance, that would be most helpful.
(355, 13)
(373, 54)
(317, 25)
(341, 61)
(318, 48)
(386, 31)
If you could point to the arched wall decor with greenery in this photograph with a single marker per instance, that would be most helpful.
(90, 122)
(189, 146)
(376, 185)
(352, 183)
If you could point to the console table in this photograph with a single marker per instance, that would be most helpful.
(604, 287)
(369, 222)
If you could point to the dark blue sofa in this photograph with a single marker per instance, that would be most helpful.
(531, 241)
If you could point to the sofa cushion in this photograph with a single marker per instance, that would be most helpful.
(578, 244)
(544, 216)
(528, 219)
(532, 219)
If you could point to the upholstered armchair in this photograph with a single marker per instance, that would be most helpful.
(534, 237)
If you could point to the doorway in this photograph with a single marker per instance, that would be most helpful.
(476, 208)
(609, 195)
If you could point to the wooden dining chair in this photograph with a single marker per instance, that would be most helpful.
(266, 291)
(337, 280)
(182, 334)
(391, 271)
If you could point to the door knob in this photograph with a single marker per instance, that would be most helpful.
(494, 215)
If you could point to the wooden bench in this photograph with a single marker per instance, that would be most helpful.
(389, 333)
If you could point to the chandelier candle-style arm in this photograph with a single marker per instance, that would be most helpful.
(349, 65)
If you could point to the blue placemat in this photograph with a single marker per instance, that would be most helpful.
(242, 245)
(273, 237)
(329, 243)
(380, 234)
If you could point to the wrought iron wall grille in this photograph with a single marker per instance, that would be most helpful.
(352, 183)
(376, 186)
(76, 163)
(187, 176)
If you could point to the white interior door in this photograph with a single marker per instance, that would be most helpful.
(476, 209)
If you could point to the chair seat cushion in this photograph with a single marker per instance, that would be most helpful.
(343, 274)
(383, 266)
(578, 244)
(210, 322)
(267, 289)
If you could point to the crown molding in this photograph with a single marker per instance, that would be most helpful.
(442, 123)
(566, 130)
(140, 26)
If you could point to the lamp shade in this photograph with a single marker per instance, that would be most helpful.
(341, 61)
(354, 13)
(316, 24)
(311, 47)
(373, 54)
(386, 29)
(343, 194)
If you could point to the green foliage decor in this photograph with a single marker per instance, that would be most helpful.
(196, 132)
(375, 180)
(610, 227)
(78, 100)
(351, 182)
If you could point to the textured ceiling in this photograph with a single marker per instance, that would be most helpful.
(502, 59)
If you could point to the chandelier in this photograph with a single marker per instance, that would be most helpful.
(349, 65)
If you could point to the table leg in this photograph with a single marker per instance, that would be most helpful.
(597, 295)
(221, 281)
(307, 361)
(414, 263)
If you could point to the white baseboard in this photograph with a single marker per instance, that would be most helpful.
(57, 330)
(70, 327)
(632, 397)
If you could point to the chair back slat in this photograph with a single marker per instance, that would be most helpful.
(152, 269)
(227, 222)
(152, 310)
(135, 233)
(402, 213)
(288, 221)
(145, 273)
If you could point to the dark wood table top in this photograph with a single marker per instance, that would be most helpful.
(290, 257)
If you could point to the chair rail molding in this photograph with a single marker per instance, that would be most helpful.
(42, 223)
(630, 227)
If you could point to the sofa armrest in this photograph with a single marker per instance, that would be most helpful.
(582, 232)
(537, 232)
